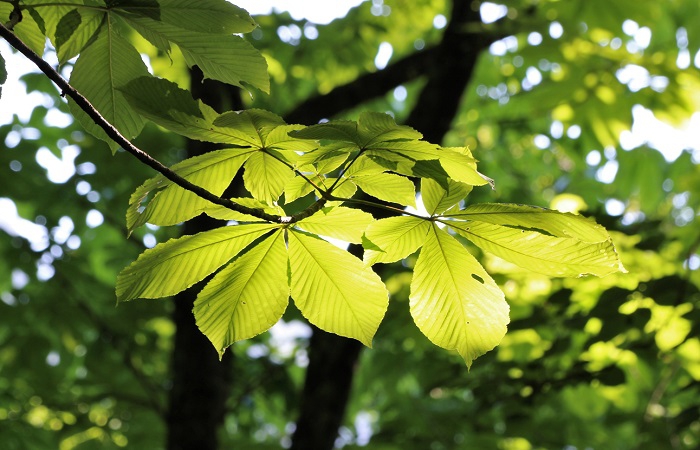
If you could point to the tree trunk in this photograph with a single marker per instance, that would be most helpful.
(332, 359)
(200, 383)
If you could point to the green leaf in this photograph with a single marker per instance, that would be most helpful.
(107, 64)
(375, 127)
(265, 176)
(172, 204)
(542, 253)
(394, 238)
(371, 128)
(388, 187)
(31, 31)
(404, 152)
(344, 188)
(327, 157)
(250, 126)
(453, 301)
(177, 264)
(204, 16)
(229, 59)
(346, 224)
(298, 187)
(74, 30)
(461, 166)
(334, 290)
(164, 103)
(533, 218)
(247, 297)
(226, 58)
(337, 130)
(438, 200)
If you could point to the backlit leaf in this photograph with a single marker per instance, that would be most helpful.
(265, 176)
(107, 64)
(394, 238)
(453, 301)
(172, 204)
(74, 30)
(346, 224)
(247, 297)
(437, 200)
(388, 187)
(533, 218)
(177, 264)
(334, 290)
(543, 253)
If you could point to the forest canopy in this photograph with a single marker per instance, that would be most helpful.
(395, 120)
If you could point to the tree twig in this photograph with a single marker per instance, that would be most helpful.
(116, 136)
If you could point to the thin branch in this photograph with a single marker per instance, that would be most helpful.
(116, 136)
(397, 211)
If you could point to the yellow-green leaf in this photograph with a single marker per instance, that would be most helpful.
(177, 264)
(453, 301)
(265, 176)
(437, 200)
(334, 290)
(388, 187)
(543, 253)
(392, 239)
(346, 224)
(539, 219)
(107, 64)
(172, 204)
(247, 297)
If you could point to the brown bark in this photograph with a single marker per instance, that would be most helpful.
(201, 383)
(332, 359)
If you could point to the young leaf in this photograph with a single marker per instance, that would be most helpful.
(394, 238)
(374, 127)
(247, 297)
(334, 290)
(298, 187)
(438, 200)
(388, 187)
(542, 253)
(265, 176)
(177, 264)
(172, 204)
(106, 64)
(453, 301)
(533, 218)
(250, 126)
(346, 224)
(461, 166)
(164, 103)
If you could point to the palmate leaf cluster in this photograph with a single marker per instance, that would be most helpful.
(292, 171)
(302, 184)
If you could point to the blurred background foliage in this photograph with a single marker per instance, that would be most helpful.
(560, 110)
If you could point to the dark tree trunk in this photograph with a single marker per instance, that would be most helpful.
(332, 359)
(201, 383)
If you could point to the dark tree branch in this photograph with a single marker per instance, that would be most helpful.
(201, 383)
(363, 88)
(332, 359)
